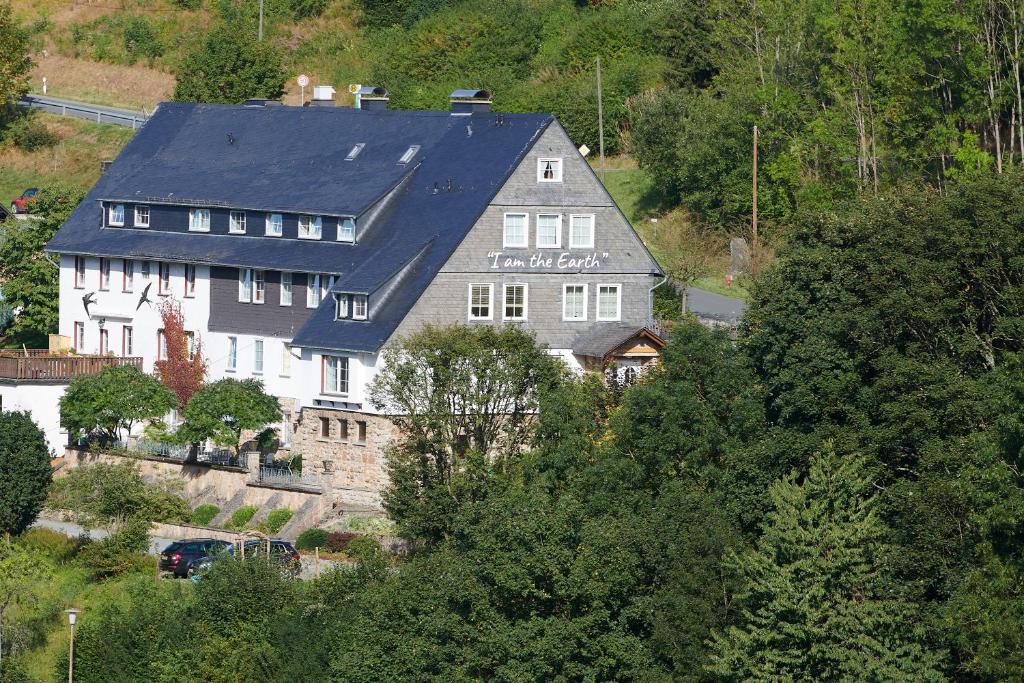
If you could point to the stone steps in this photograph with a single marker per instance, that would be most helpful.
(303, 518)
(228, 509)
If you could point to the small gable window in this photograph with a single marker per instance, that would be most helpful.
(237, 224)
(199, 220)
(310, 227)
(409, 154)
(354, 152)
(346, 230)
(141, 216)
(549, 170)
(116, 216)
(359, 307)
(275, 225)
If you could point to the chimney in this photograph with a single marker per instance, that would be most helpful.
(470, 101)
(323, 96)
(370, 98)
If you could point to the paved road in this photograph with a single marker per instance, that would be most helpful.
(83, 110)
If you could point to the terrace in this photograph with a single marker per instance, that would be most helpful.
(40, 366)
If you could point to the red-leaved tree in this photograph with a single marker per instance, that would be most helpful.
(182, 368)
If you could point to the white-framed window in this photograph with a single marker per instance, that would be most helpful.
(334, 379)
(141, 216)
(232, 354)
(79, 272)
(359, 307)
(574, 302)
(481, 300)
(161, 345)
(275, 225)
(409, 154)
(104, 341)
(549, 170)
(236, 223)
(609, 302)
(116, 214)
(127, 341)
(104, 273)
(346, 230)
(341, 306)
(257, 357)
(312, 290)
(164, 281)
(127, 275)
(286, 360)
(549, 231)
(310, 227)
(79, 337)
(144, 269)
(515, 302)
(190, 280)
(517, 231)
(245, 285)
(259, 286)
(581, 231)
(326, 285)
(199, 220)
(286, 289)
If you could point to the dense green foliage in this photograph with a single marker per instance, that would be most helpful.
(104, 494)
(29, 275)
(24, 471)
(230, 66)
(222, 409)
(112, 402)
(311, 538)
(15, 62)
(241, 516)
(203, 514)
(276, 519)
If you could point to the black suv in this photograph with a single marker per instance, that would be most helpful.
(178, 557)
(282, 553)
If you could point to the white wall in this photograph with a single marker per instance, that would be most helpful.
(42, 401)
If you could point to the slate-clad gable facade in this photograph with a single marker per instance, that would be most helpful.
(430, 245)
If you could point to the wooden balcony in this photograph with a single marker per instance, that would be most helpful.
(40, 366)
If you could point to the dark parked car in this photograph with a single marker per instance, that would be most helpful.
(179, 557)
(20, 204)
(4, 214)
(282, 553)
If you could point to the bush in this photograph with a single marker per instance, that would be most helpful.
(278, 518)
(24, 471)
(140, 39)
(204, 514)
(29, 133)
(338, 541)
(241, 516)
(51, 544)
(100, 493)
(303, 9)
(311, 538)
(119, 553)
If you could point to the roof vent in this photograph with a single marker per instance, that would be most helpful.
(370, 97)
(470, 101)
(323, 96)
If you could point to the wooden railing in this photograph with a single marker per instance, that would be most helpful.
(38, 367)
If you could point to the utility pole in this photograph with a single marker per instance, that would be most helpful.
(753, 224)
(261, 20)
(600, 117)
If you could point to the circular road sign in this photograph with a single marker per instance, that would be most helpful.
(303, 80)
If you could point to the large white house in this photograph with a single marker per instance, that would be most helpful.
(300, 241)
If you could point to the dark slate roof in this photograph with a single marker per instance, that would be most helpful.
(291, 159)
(603, 338)
(715, 307)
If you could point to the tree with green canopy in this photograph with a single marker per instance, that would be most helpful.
(230, 66)
(25, 471)
(223, 409)
(113, 401)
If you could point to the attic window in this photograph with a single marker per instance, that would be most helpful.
(346, 230)
(354, 152)
(341, 306)
(549, 170)
(409, 154)
(359, 307)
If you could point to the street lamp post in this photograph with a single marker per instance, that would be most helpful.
(72, 617)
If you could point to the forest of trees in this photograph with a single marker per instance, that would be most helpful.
(835, 494)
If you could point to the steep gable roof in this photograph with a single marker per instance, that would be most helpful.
(291, 159)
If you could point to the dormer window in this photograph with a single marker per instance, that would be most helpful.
(310, 227)
(346, 230)
(116, 214)
(341, 306)
(354, 152)
(237, 224)
(199, 220)
(141, 216)
(409, 154)
(275, 225)
(359, 307)
(549, 170)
